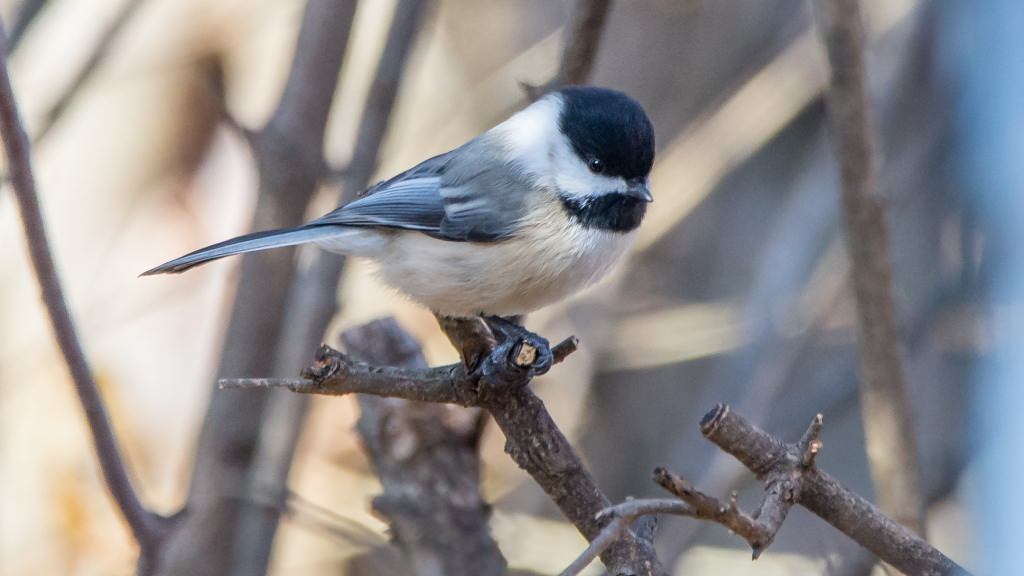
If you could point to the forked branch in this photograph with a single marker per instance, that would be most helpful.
(791, 477)
(825, 496)
(758, 529)
(497, 381)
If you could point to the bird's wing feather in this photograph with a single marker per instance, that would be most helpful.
(462, 195)
(485, 194)
(411, 200)
(413, 204)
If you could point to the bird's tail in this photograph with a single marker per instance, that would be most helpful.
(247, 243)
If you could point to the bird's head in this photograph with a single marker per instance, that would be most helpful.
(593, 147)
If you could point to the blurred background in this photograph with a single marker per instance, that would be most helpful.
(737, 291)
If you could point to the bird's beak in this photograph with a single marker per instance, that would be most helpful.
(640, 190)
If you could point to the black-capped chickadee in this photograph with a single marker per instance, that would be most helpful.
(522, 216)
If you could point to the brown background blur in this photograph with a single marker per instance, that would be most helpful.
(736, 292)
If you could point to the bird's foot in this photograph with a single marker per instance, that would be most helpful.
(328, 362)
(520, 347)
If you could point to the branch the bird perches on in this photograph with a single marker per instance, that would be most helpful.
(497, 379)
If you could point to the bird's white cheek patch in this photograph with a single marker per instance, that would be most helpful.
(530, 133)
(574, 179)
(537, 145)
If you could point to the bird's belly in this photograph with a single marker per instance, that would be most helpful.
(514, 276)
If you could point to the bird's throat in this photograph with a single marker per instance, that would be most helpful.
(611, 212)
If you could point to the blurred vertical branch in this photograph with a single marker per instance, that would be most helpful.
(583, 37)
(99, 53)
(92, 63)
(888, 419)
(580, 52)
(310, 306)
(381, 97)
(289, 160)
(150, 530)
(26, 15)
(312, 300)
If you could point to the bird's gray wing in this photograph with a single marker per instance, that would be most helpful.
(485, 195)
(411, 200)
(462, 195)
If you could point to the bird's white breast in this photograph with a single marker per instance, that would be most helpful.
(550, 258)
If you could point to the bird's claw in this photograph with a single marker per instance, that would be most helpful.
(519, 347)
(326, 365)
(533, 351)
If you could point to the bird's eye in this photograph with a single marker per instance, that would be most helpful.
(596, 165)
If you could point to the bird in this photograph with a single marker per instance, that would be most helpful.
(522, 216)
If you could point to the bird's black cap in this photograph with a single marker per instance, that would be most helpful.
(610, 126)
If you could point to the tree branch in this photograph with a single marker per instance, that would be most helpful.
(99, 53)
(29, 11)
(791, 478)
(288, 152)
(584, 39)
(149, 529)
(26, 15)
(822, 494)
(622, 516)
(888, 423)
(783, 483)
(336, 374)
(536, 444)
(312, 298)
(583, 36)
(426, 458)
(498, 382)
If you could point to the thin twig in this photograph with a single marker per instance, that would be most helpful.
(622, 516)
(888, 422)
(211, 67)
(27, 12)
(381, 97)
(583, 36)
(315, 517)
(336, 374)
(148, 529)
(809, 444)
(711, 508)
(96, 57)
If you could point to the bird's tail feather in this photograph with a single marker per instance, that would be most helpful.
(247, 243)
